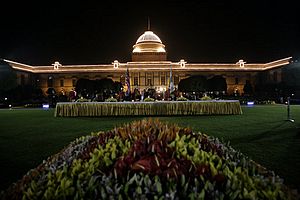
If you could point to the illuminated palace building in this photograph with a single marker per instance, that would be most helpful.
(149, 68)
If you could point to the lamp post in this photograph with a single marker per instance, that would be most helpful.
(288, 111)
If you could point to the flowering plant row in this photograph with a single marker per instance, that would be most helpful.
(149, 159)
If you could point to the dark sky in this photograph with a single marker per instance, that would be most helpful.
(78, 32)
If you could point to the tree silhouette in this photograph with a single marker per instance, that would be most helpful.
(248, 90)
(193, 84)
(8, 78)
(217, 83)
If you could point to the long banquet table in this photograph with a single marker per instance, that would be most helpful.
(157, 108)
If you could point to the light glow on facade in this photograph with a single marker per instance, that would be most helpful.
(56, 65)
(148, 43)
(116, 64)
(149, 68)
(148, 36)
(182, 63)
(241, 63)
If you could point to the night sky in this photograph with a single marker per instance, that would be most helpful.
(78, 32)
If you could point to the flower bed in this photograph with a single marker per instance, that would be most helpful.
(93, 109)
(149, 159)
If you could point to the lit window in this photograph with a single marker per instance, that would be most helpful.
(61, 83)
(236, 81)
(149, 82)
(176, 80)
(136, 81)
(163, 80)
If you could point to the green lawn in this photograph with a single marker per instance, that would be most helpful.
(27, 137)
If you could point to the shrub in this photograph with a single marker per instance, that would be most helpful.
(82, 100)
(111, 100)
(205, 98)
(149, 160)
(149, 99)
(33, 105)
(267, 102)
(181, 99)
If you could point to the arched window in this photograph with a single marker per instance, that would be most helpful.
(149, 81)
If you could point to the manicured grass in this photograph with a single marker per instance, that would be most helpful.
(27, 137)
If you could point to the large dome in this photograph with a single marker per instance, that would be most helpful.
(148, 42)
(148, 36)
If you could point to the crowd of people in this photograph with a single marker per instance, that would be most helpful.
(135, 95)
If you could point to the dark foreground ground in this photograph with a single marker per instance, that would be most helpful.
(28, 136)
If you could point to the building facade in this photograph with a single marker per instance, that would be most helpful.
(149, 68)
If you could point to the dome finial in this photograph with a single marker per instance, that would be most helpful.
(148, 23)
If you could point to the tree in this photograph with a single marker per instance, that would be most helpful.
(248, 90)
(85, 87)
(52, 97)
(291, 80)
(217, 83)
(184, 85)
(193, 84)
(105, 84)
(8, 78)
(291, 75)
(117, 86)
